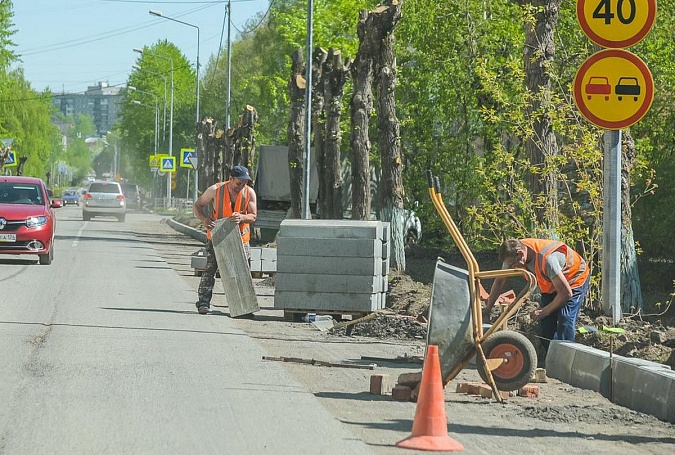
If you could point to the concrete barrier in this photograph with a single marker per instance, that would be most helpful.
(637, 384)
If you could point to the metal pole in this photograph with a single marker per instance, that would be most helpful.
(229, 64)
(308, 114)
(611, 226)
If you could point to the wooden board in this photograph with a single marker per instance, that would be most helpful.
(233, 267)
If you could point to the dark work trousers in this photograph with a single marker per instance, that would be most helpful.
(560, 325)
(205, 290)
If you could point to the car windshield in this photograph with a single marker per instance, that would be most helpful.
(20, 193)
(104, 187)
(70, 193)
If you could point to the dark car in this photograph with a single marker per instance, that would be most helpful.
(27, 221)
(70, 197)
(133, 196)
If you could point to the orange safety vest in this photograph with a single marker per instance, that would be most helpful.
(575, 270)
(222, 208)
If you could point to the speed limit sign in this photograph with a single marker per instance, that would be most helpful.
(616, 24)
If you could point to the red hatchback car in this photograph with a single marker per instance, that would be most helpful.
(27, 221)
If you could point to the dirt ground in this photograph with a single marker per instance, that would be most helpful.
(410, 293)
(563, 420)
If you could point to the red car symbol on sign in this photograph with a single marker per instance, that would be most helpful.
(598, 85)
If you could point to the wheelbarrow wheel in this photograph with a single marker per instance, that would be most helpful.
(519, 355)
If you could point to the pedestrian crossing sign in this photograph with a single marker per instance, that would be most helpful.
(11, 160)
(185, 155)
(168, 164)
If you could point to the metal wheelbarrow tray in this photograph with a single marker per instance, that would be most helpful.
(505, 359)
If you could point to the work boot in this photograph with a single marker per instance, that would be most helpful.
(202, 308)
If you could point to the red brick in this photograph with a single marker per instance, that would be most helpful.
(467, 387)
(401, 393)
(485, 391)
(380, 384)
(529, 391)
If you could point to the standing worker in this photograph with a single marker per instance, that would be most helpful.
(562, 276)
(236, 201)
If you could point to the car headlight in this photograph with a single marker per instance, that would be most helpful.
(36, 221)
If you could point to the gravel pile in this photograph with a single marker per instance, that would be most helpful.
(386, 326)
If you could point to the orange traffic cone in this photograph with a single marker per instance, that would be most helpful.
(430, 427)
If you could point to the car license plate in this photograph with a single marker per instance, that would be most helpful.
(7, 237)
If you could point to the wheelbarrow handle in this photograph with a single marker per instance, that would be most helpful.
(430, 179)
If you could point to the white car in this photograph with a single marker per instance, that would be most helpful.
(104, 199)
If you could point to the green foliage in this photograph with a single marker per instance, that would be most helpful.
(25, 117)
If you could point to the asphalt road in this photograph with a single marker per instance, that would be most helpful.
(103, 352)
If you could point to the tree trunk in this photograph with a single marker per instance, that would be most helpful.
(296, 132)
(541, 144)
(205, 153)
(631, 292)
(228, 153)
(387, 15)
(319, 121)
(219, 155)
(244, 147)
(335, 73)
(361, 109)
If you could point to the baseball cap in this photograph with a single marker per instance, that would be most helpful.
(240, 172)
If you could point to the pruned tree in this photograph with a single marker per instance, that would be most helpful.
(205, 153)
(361, 107)
(335, 76)
(540, 143)
(244, 142)
(296, 131)
(631, 291)
(319, 121)
(386, 16)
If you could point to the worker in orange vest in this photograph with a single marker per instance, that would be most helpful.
(562, 276)
(235, 200)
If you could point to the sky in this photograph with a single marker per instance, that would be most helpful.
(69, 45)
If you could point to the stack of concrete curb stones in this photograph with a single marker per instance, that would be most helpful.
(332, 265)
(637, 384)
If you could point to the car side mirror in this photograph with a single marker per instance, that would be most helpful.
(56, 204)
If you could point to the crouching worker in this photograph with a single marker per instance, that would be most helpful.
(236, 201)
(562, 276)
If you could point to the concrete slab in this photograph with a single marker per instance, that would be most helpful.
(590, 370)
(337, 229)
(329, 247)
(233, 266)
(329, 266)
(559, 360)
(349, 284)
(317, 301)
(653, 392)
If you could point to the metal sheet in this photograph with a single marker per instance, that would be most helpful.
(450, 316)
(233, 266)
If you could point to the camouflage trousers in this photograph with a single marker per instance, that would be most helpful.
(208, 280)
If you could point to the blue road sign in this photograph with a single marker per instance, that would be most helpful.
(185, 157)
(11, 160)
(168, 164)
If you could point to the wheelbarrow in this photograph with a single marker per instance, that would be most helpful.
(505, 359)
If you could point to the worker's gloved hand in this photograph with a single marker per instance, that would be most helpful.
(486, 313)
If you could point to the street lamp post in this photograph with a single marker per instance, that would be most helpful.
(156, 117)
(159, 14)
(134, 89)
(138, 68)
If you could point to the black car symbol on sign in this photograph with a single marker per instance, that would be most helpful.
(627, 86)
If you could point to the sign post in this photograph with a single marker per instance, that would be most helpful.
(614, 89)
